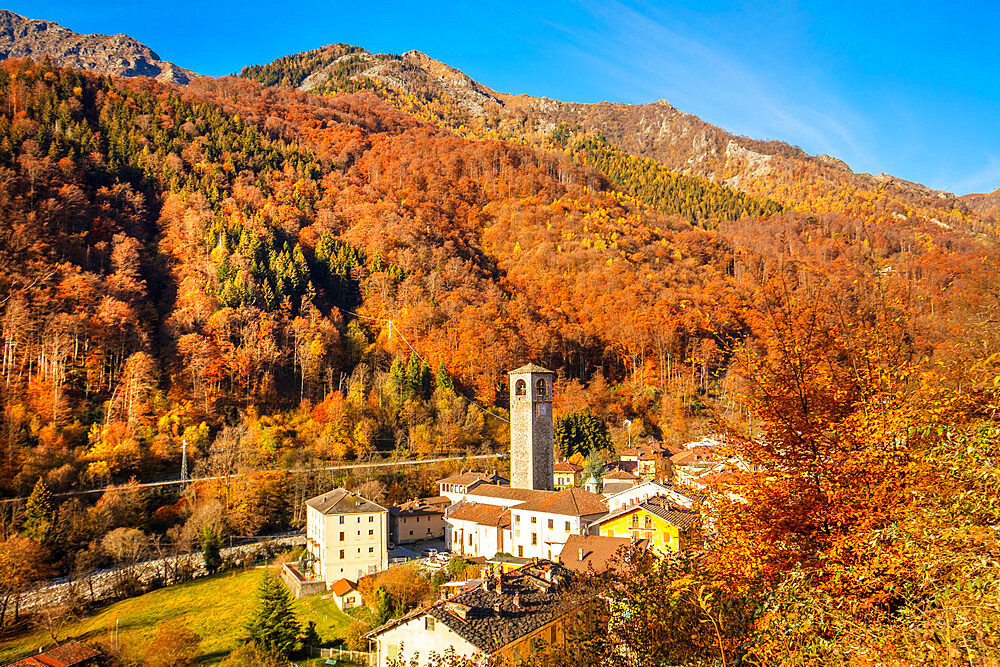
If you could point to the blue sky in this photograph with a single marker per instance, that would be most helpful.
(907, 88)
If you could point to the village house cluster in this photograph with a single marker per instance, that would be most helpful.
(532, 533)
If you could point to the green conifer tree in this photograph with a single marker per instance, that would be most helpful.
(397, 377)
(413, 376)
(383, 606)
(443, 379)
(273, 625)
(426, 381)
(39, 513)
(211, 548)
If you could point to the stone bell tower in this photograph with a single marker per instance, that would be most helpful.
(531, 428)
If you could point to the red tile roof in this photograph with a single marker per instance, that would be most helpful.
(342, 587)
(485, 515)
(68, 654)
(571, 502)
(509, 493)
(567, 466)
(416, 507)
(467, 478)
(697, 455)
(621, 474)
(584, 553)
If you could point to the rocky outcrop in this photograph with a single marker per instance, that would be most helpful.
(116, 55)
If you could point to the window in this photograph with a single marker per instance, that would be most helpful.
(520, 388)
(429, 623)
(470, 539)
(371, 532)
(649, 522)
(540, 388)
(342, 554)
(517, 518)
(520, 551)
(371, 518)
(567, 526)
(550, 524)
(534, 519)
(411, 532)
(534, 539)
(635, 520)
(341, 537)
(371, 550)
(359, 519)
(341, 518)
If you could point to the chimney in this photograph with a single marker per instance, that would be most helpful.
(517, 599)
(580, 556)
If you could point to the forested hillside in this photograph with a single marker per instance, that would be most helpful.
(245, 268)
(179, 260)
(436, 92)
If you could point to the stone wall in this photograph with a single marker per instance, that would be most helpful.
(298, 584)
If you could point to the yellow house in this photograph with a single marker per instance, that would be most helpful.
(651, 460)
(566, 475)
(666, 526)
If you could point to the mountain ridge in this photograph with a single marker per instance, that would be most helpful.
(437, 92)
(117, 55)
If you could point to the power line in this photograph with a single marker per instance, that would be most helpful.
(294, 471)
(419, 356)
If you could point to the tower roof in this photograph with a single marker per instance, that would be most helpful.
(530, 368)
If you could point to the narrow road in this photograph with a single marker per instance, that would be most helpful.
(99, 585)
(355, 466)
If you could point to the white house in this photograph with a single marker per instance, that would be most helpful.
(456, 486)
(646, 490)
(540, 527)
(505, 496)
(346, 535)
(505, 619)
(477, 529)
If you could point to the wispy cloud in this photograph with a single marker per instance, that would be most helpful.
(986, 179)
(653, 54)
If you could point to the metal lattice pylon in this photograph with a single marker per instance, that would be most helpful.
(184, 462)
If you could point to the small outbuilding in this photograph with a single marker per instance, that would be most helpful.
(345, 594)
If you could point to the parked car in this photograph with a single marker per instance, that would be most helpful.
(429, 553)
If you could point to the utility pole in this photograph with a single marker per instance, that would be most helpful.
(184, 463)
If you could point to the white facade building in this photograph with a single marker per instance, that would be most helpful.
(646, 490)
(476, 529)
(346, 535)
(539, 528)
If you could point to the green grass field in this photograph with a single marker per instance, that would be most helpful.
(214, 607)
